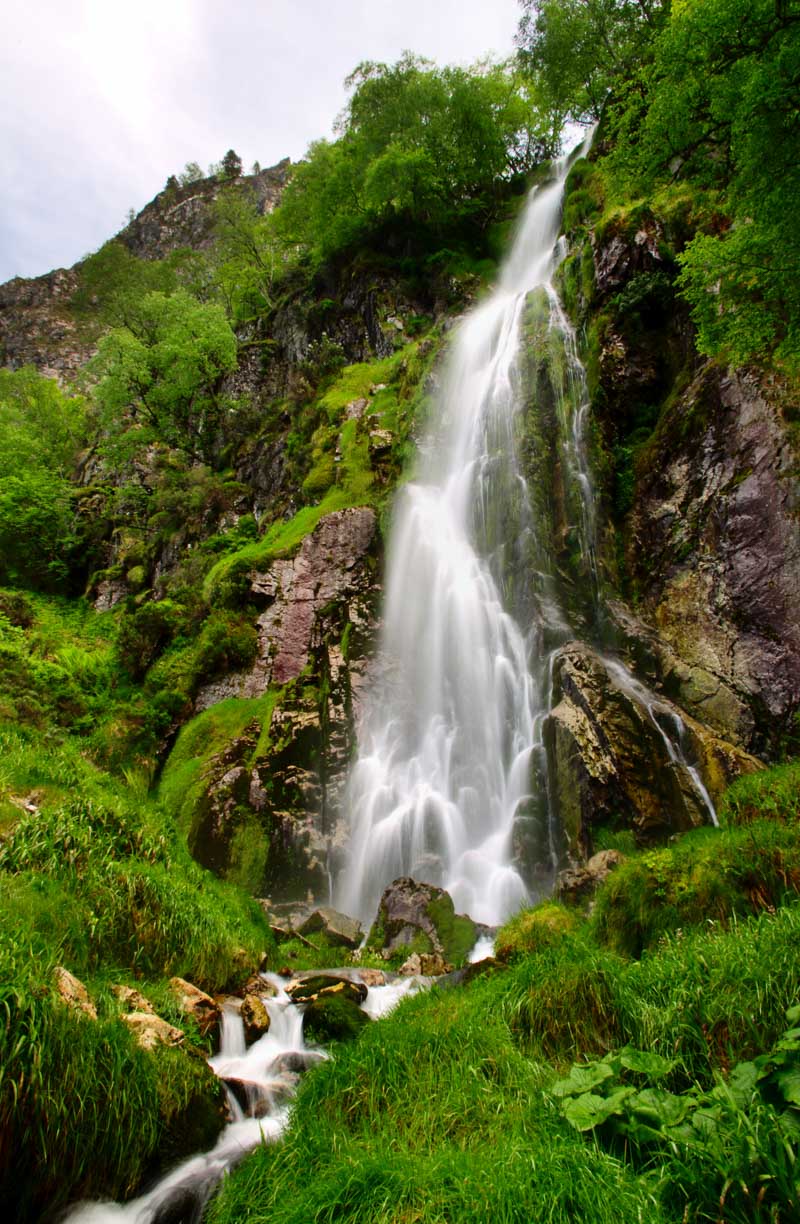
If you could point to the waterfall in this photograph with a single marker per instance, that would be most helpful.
(450, 777)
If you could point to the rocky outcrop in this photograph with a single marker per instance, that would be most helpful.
(197, 1004)
(621, 756)
(315, 633)
(715, 549)
(73, 992)
(38, 326)
(420, 918)
(180, 216)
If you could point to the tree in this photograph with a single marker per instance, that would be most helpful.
(191, 174)
(247, 255)
(231, 165)
(720, 111)
(158, 378)
(41, 431)
(580, 51)
(420, 149)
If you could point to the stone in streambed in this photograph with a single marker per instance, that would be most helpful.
(421, 918)
(333, 1018)
(255, 1018)
(310, 988)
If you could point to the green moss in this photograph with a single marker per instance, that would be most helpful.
(531, 930)
(457, 933)
(708, 875)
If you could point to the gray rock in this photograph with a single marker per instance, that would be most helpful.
(338, 928)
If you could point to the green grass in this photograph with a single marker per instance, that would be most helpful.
(433, 1114)
(97, 879)
(708, 875)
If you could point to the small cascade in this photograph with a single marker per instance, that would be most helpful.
(260, 1081)
(660, 713)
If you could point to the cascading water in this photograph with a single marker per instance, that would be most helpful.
(450, 743)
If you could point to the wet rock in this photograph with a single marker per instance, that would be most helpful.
(622, 758)
(427, 964)
(715, 551)
(372, 977)
(577, 883)
(151, 1031)
(296, 1061)
(196, 1003)
(255, 1018)
(73, 992)
(328, 985)
(421, 917)
(260, 986)
(337, 928)
(133, 999)
(333, 1018)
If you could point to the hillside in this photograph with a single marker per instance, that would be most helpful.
(220, 600)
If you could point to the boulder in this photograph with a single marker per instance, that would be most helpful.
(427, 964)
(337, 928)
(196, 1003)
(327, 985)
(372, 977)
(333, 1018)
(255, 1018)
(73, 992)
(623, 756)
(421, 918)
(133, 1000)
(151, 1031)
(581, 881)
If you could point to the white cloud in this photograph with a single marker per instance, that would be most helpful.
(101, 100)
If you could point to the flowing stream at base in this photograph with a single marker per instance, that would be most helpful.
(260, 1082)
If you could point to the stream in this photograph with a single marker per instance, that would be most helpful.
(260, 1081)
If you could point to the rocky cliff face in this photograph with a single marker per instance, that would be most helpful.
(698, 541)
(37, 326)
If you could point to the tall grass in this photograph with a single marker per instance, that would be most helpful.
(432, 1115)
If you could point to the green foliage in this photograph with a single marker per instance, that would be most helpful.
(158, 377)
(248, 257)
(41, 429)
(533, 929)
(769, 794)
(710, 874)
(579, 50)
(421, 149)
(734, 1143)
(431, 1115)
(717, 107)
(113, 282)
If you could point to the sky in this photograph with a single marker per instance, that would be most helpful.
(101, 100)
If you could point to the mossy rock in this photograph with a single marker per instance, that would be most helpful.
(532, 930)
(333, 1018)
